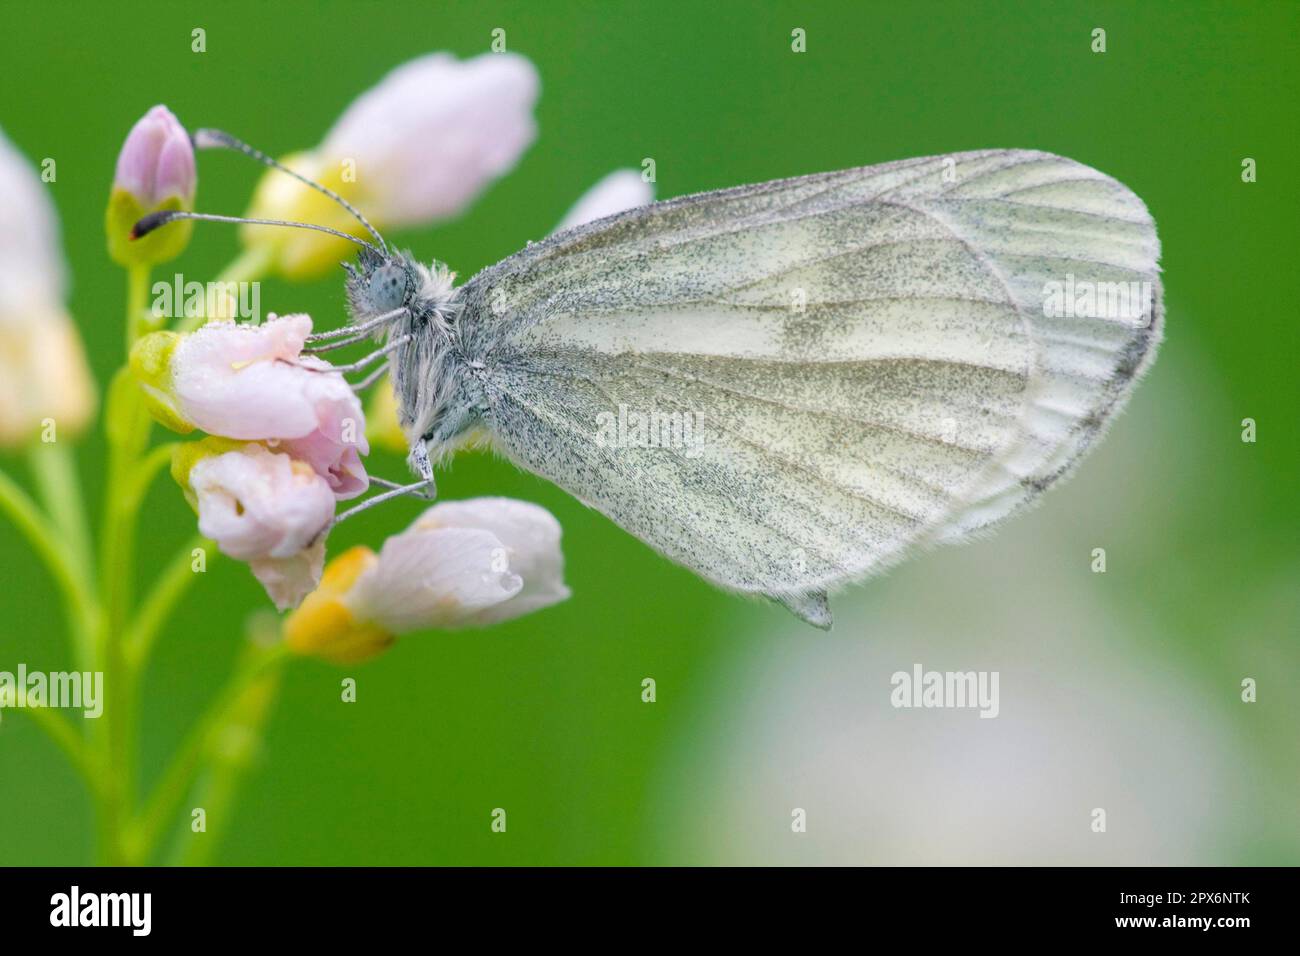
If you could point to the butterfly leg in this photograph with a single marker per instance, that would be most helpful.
(366, 362)
(370, 379)
(419, 462)
(356, 331)
(396, 491)
(424, 488)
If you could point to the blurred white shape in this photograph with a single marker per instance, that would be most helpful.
(435, 132)
(44, 379)
(31, 260)
(622, 189)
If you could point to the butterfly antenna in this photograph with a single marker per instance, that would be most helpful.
(216, 139)
(158, 219)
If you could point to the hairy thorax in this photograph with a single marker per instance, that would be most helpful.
(430, 373)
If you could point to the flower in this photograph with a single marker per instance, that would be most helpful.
(43, 372)
(262, 507)
(324, 626)
(155, 171)
(460, 564)
(417, 148)
(622, 189)
(530, 536)
(249, 382)
(157, 161)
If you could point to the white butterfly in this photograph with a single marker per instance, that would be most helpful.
(869, 361)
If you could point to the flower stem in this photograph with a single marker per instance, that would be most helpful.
(124, 641)
(234, 749)
(55, 471)
(43, 538)
(148, 467)
(177, 780)
(127, 426)
(161, 600)
(137, 297)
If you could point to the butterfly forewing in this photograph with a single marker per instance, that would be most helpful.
(784, 386)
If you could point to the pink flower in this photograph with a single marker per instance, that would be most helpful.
(157, 161)
(265, 508)
(248, 382)
(463, 564)
(417, 148)
(435, 132)
(622, 189)
(43, 371)
(32, 267)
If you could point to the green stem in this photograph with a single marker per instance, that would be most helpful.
(162, 599)
(147, 469)
(126, 425)
(27, 517)
(55, 471)
(234, 749)
(124, 642)
(176, 781)
(137, 301)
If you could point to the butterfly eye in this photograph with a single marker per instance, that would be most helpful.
(387, 288)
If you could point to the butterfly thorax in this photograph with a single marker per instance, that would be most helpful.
(427, 370)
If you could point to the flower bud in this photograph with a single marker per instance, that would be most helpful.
(415, 149)
(44, 378)
(261, 507)
(155, 171)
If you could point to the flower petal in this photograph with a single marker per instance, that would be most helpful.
(156, 162)
(234, 380)
(31, 260)
(289, 580)
(267, 509)
(622, 189)
(464, 564)
(434, 133)
(440, 578)
(531, 537)
(339, 440)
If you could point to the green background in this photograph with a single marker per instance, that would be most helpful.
(543, 716)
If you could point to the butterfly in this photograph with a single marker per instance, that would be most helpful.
(789, 387)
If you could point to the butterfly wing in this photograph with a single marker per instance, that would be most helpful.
(859, 362)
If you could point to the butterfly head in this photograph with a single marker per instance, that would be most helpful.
(378, 284)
